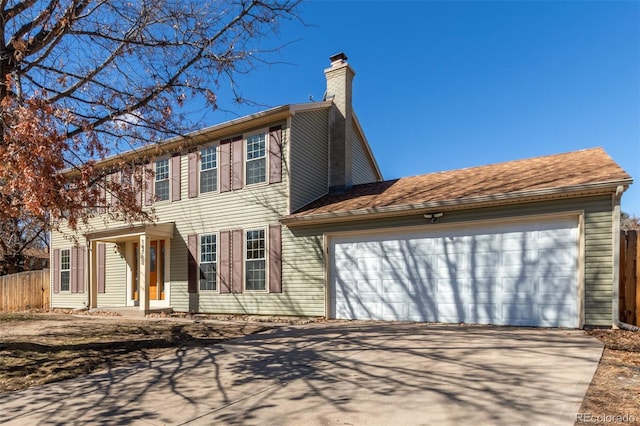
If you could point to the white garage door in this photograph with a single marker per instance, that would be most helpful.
(516, 274)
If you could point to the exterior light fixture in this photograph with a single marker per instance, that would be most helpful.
(433, 216)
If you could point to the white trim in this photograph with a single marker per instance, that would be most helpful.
(265, 229)
(265, 132)
(217, 261)
(166, 158)
(199, 170)
(60, 271)
(471, 223)
(615, 273)
(582, 266)
(286, 155)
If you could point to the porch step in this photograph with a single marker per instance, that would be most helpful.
(130, 311)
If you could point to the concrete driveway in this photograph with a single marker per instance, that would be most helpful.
(340, 373)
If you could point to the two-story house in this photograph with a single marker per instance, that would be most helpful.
(285, 212)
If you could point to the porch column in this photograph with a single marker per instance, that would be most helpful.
(93, 275)
(144, 271)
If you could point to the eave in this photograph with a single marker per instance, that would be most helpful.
(212, 133)
(456, 204)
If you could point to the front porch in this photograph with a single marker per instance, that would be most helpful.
(145, 250)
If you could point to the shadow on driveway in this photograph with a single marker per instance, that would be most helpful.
(336, 373)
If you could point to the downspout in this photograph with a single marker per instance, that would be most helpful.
(616, 264)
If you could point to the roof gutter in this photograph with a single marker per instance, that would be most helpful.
(210, 133)
(456, 204)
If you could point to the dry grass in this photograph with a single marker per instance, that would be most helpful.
(43, 348)
(615, 388)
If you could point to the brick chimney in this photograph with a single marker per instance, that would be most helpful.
(339, 78)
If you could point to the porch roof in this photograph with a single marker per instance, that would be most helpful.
(123, 233)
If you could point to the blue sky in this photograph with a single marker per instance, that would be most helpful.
(446, 85)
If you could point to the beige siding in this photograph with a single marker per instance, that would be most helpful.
(308, 157)
(248, 208)
(598, 243)
(115, 285)
(66, 300)
(363, 170)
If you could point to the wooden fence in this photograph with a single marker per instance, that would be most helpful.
(25, 290)
(629, 278)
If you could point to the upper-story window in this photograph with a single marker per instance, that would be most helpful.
(162, 180)
(256, 165)
(208, 169)
(65, 270)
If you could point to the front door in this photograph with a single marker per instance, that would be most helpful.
(156, 268)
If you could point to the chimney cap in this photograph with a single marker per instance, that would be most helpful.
(338, 58)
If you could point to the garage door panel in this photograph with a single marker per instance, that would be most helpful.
(451, 312)
(518, 313)
(519, 274)
(555, 286)
(369, 287)
(519, 258)
(519, 285)
(453, 261)
(556, 257)
(452, 286)
(422, 312)
(483, 313)
(483, 285)
(484, 259)
(551, 315)
(368, 265)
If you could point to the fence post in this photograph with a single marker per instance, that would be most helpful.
(637, 280)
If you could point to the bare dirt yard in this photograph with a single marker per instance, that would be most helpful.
(614, 394)
(38, 348)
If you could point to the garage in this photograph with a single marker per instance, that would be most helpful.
(520, 273)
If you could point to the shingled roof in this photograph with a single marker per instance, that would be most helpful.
(584, 171)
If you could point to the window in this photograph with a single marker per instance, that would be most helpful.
(208, 169)
(255, 264)
(208, 258)
(65, 270)
(162, 180)
(256, 159)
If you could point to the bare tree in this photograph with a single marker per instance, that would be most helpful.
(81, 80)
(629, 222)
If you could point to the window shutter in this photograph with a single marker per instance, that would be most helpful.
(193, 174)
(236, 255)
(237, 156)
(225, 166)
(73, 285)
(192, 263)
(102, 199)
(55, 270)
(275, 154)
(139, 183)
(176, 186)
(80, 252)
(148, 187)
(115, 178)
(101, 260)
(275, 259)
(224, 269)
